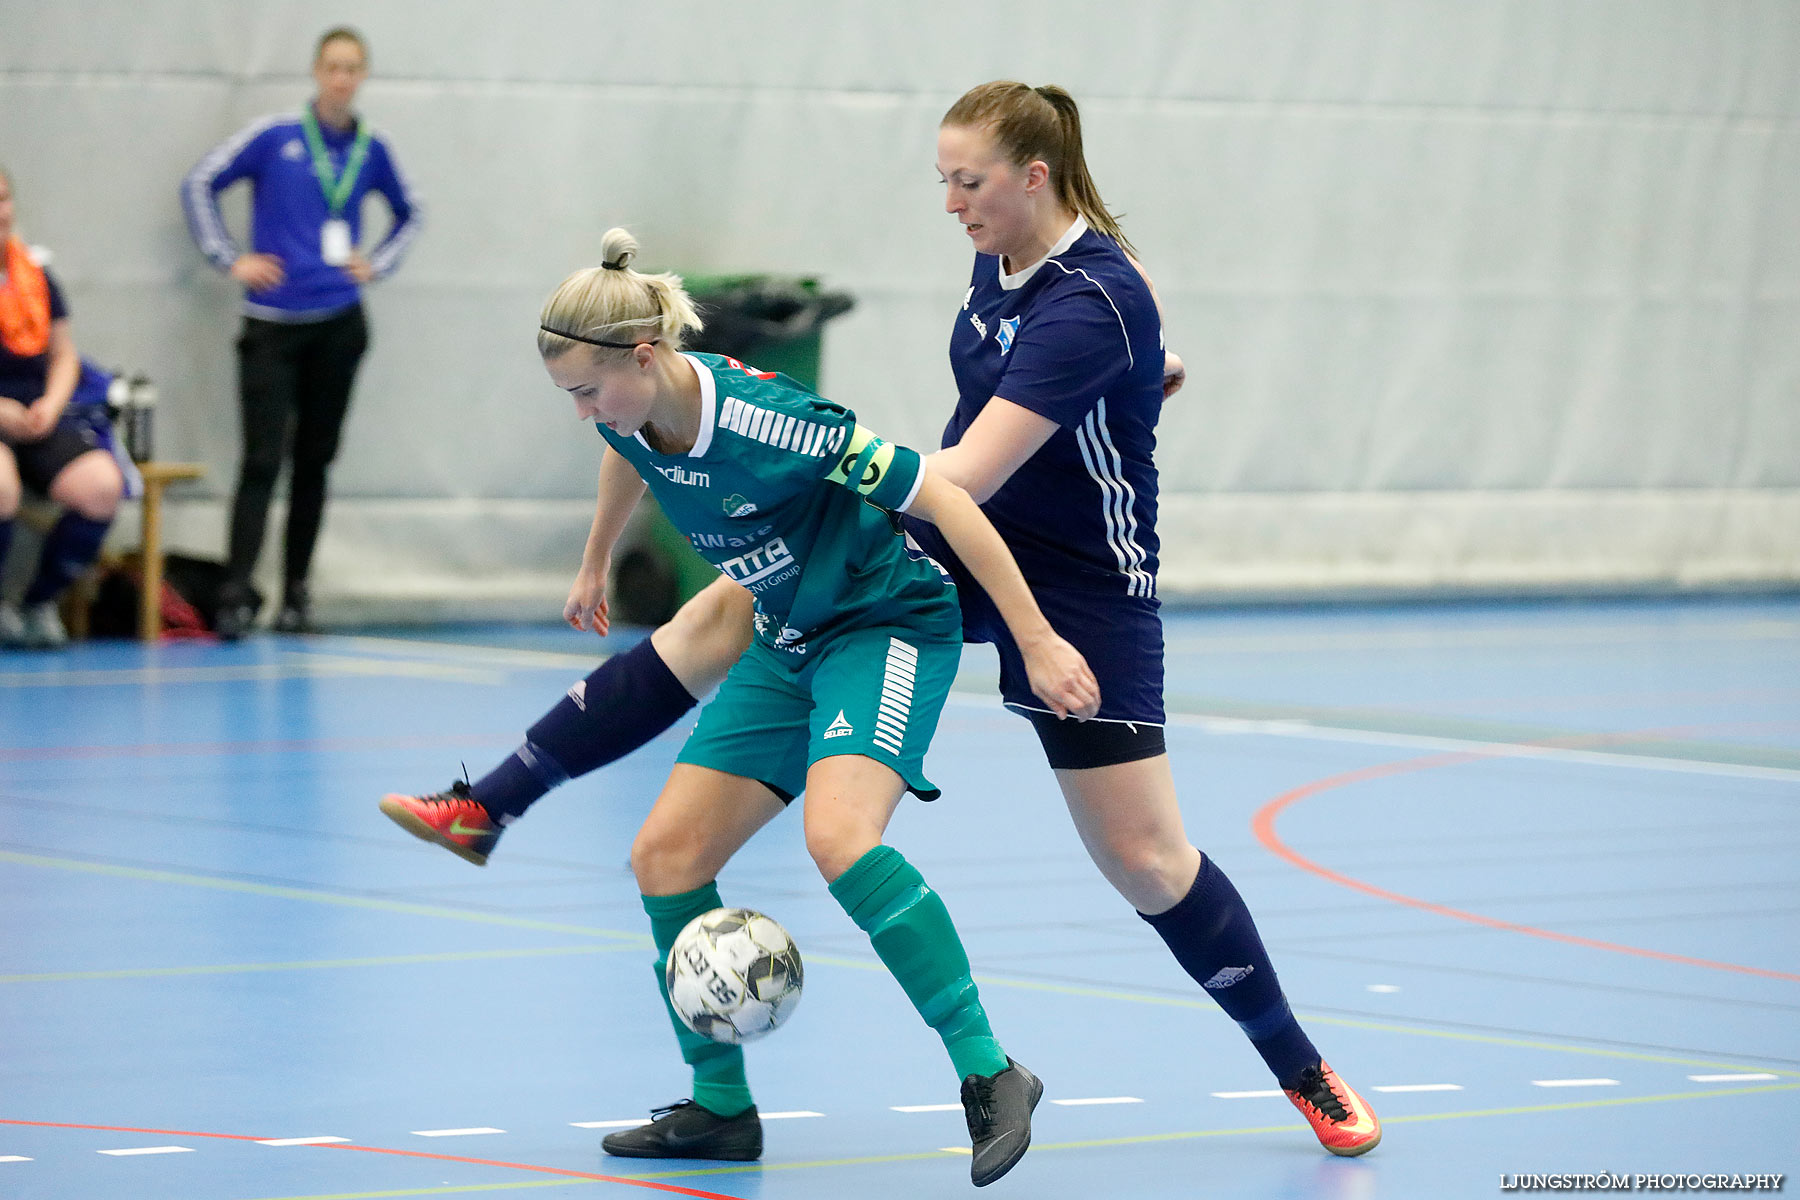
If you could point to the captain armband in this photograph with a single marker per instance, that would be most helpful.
(885, 474)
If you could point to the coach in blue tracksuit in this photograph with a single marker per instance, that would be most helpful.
(304, 331)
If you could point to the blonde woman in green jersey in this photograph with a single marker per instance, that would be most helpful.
(855, 647)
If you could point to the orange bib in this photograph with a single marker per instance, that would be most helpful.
(24, 304)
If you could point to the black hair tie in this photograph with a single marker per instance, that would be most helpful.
(576, 337)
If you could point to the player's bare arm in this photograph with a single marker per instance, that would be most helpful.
(996, 444)
(1059, 675)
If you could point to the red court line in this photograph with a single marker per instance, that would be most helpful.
(672, 1189)
(1264, 826)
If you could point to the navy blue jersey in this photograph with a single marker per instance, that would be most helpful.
(23, 377)
(288, 209)
(1077, 339)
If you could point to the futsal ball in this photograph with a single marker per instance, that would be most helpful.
(733, 975)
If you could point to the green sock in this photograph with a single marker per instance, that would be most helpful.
(719, 1081)
(912, 932)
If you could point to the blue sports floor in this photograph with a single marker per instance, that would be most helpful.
(1528, 872)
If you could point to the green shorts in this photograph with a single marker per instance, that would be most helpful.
(873, 692)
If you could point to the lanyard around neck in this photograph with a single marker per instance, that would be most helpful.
(337, 188)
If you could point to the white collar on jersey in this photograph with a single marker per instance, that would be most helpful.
(1010, 282)
(709, 408)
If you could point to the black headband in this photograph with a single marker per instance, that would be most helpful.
(576, 337)
(614, 266)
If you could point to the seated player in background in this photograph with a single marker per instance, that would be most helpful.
(856, 644)
(62, 459)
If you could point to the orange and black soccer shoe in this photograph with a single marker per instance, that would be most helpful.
(1342, 1120)
(454, 820)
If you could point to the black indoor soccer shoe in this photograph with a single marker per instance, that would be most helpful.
(999, 1111)
(689, 1130)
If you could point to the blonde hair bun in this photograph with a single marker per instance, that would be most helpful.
(617, 248)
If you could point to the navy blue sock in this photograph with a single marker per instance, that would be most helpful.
(6, 528)
(1214, 938)
(628, 700)
(71, 547)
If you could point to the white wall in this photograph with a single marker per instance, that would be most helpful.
(1474, 294)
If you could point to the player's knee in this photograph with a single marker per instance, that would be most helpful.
(835, 845)
(1153, 876)
(718, 618)
(90, 486)
(660, 861)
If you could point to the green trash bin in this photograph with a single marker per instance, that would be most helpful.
(773, 323)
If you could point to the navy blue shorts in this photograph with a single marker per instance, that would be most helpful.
(1120, 636)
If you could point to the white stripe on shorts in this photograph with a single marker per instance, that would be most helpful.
(896, 696)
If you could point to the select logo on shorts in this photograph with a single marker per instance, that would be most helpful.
(1226, 977)
(1008, 330)
(840, 727)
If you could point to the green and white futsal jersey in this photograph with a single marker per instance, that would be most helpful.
(856, 642)
(773, 493)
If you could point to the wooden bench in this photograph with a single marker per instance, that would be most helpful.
(157, 475)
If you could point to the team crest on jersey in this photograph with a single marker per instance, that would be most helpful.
(737, 506)
(1008, 329)
(293, 151)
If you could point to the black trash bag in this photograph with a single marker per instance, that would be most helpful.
(744, 316)
(190, 601)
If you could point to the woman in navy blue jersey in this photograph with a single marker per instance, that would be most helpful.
(38, 448)
(1061, 373)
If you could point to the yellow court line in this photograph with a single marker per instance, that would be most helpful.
(643, 940)
(1290, 1127)
(1314, 1018)
(1095, 1143)
(317, 964)
(316, 897)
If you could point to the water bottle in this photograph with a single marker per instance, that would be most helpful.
(140, 415)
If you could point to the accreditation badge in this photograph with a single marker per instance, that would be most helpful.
(334, 242)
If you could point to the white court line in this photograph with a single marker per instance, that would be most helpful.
(456, 1132)
(13, 1158)
(1419, 1087)
(1102, 1100)
(150, 1150)
(1753, 1075)
(1574, 1083)
(633, 1123)
(324, 1140)
(1495, 750)
(796, 1113)
(910, 1108)
(1248, 1095)
(1312, 731)
(1382, 988)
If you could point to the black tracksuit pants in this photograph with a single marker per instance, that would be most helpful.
(293, 393)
